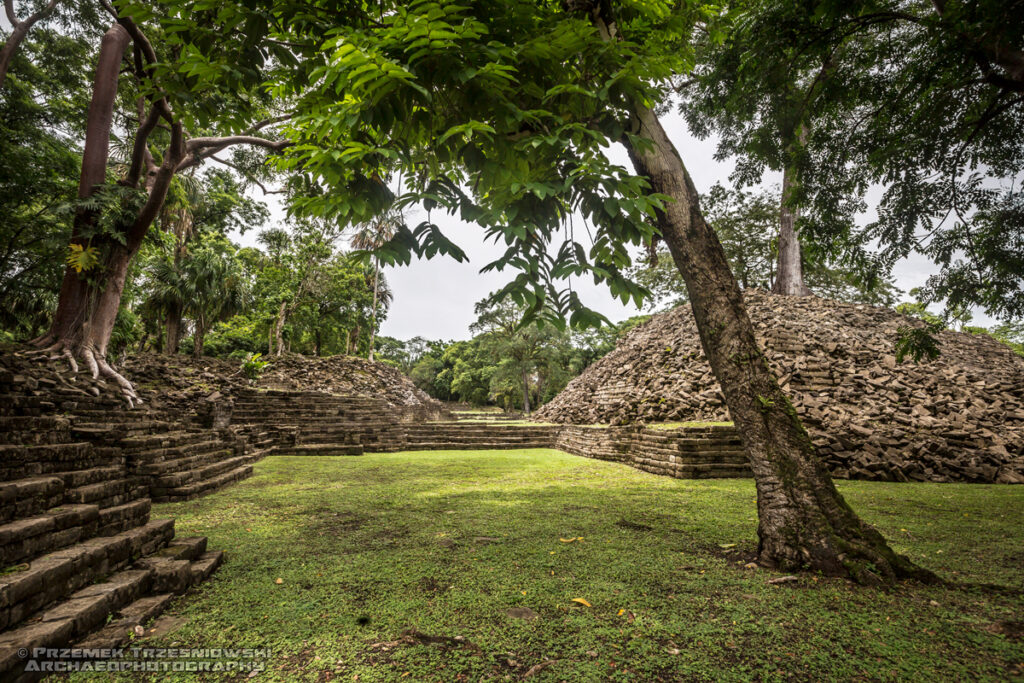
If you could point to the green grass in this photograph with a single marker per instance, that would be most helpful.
(367, 547)
(680, 425)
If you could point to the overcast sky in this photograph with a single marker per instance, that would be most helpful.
(434, 299)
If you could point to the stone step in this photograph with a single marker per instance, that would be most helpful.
(177, 452)
(22, 430)
(121, 629)
(175, 439)
(482, 446)
(57, 575)
(190, 549)
(187, 462)
(101, 492)
(30, 496)
(165, 482)
(199, 488)
(114, 520)
(17, 462)
(206, 564)
(59, 527)
(78, 478)
(82, 612)
(321, 449)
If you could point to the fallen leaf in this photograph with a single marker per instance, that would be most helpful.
(621, 612)
(279, 581)
(567, 540)
(582, 602)
(723, 546)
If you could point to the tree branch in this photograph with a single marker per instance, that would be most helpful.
(245, 175)
(19, 29)
(158, 192)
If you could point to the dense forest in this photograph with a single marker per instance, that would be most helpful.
(138, 137)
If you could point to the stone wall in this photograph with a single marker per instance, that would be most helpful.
(81, 561)
(685, 453)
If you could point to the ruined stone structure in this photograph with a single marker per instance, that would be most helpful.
(959, 417)
(83, 563)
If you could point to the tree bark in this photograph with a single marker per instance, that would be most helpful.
(72, 304)
(789, 279)
(282, 315)
(803, 520)
(174, 314)
(373, 325)
(198, 336)
(526, 393)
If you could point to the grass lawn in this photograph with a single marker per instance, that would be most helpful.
(446, 543)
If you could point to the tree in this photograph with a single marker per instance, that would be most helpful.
(525, 354)
(112, 220)
(19, 29)
(371, 236)
(924, 99)
(559, 85)
(745, 223)
(42, 106)
(214, 286)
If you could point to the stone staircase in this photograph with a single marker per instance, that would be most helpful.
(80, 559)
(685, 453)
(463, 436)
(312, 423)
(181, 464)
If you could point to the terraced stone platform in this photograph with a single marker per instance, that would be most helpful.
(81, 562)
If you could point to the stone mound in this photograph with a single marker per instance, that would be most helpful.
(182, 377)
(959, 417)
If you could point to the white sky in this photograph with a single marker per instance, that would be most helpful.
(434, 299)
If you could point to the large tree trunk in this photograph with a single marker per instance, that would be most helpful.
(804, 521)
(789, 280)
(72, 303)
(87, 308)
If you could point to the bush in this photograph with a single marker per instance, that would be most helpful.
(252, 367)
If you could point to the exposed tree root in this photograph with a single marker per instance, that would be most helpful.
(93, 359)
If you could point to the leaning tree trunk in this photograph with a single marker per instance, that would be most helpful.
(804, 521)
(789, 281)
(87, 307)
(74, 291)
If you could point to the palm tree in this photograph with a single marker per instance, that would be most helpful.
(215, 289)
(167, 297)
(371, 236)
